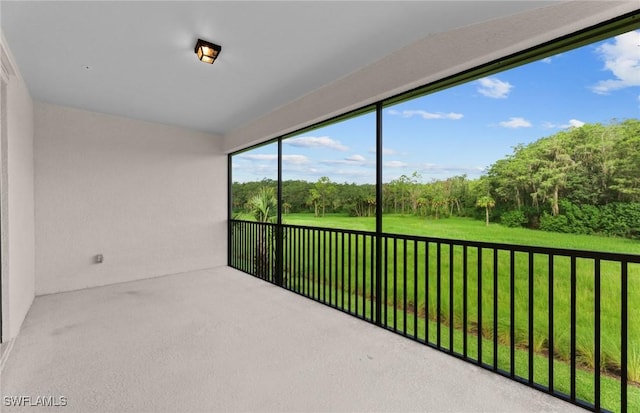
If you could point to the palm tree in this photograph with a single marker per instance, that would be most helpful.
(263, 206)
(487, 203)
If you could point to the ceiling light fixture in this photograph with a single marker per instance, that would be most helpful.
(207, 52)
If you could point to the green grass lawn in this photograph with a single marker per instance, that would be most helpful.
(467, 229)
(347, 267)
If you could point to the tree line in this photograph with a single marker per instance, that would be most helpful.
(581, 180)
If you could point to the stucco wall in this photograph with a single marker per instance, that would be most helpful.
(18, 253)
(150, 198)
(430, 59)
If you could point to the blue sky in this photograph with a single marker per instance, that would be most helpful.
(464, 129)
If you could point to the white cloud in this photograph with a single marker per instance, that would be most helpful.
(355, 158)
(426, 115)
(622, 58)
(395, 164)
(573, 123)
(514, 123)
(295, 159)
(316, 142)
(546, 60)
(492, 87)
(349, 160)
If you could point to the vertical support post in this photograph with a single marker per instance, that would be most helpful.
(278, 276)
(378, 315)
(229, 209)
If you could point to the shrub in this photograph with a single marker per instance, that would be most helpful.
(616, 219)
(514, 218)
(553, 223)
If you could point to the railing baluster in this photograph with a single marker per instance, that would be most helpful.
(385, 277)
(327, 277)
(342, 273)
(596, 343)
(237, 238)
(464, 300)
(395, 284)
(512, 313)
(238, 234)
(323, 281)
(531, 314)
(624, 290)
(258, 264)
(364, 276)
(336, 269)
(294, 259)
(426, 292)
(479, 305)
(438, 291)
(314, 263)
(573, 329)
(308, 272)
(357, 257)
(252, 257)
(415, 288)
(451, 303)
(315, 275)
(290, 281)
(349, 275)
(286, 281)
(495, 309)
(247, 249)
(404, 284)
(300, 239)
(550, 338)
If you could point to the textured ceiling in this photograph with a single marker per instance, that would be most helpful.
(141, 63)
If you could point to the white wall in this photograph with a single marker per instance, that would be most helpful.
(18, 252)
(150, 198)
(430, 59)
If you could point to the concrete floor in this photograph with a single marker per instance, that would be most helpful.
(220, 340)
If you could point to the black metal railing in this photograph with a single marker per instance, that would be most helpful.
(553, 319)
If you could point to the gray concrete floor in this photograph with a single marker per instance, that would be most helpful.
(220, 340)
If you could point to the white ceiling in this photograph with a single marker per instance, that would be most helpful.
(142, 63)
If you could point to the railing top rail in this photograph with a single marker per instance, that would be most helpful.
(601, 255)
